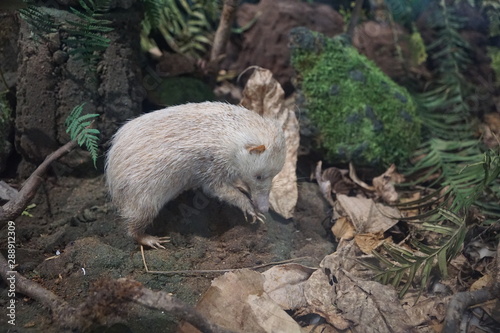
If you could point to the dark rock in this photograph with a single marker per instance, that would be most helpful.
(60, 57)
(400, 97)
(63, 83)
(357, 75)
(265, 43)
(406, 116)
(377, 42)
(334, 90)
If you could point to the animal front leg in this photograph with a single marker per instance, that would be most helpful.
(235, 197)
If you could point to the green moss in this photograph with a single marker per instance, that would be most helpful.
(361, 114)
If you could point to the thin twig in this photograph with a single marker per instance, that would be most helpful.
(214, 271)
(356, 13)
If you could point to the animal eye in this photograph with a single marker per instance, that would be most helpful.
(259, 177)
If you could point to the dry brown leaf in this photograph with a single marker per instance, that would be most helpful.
(483, 282)
(354, 177)
(285, 284)
(369, 305)
(370, 241)
(373, 307)
(343, 229)
(264, 95)
(320, 298)
(333, 180)
(295, 287)
(366, 215)
(426, 308)
(411, 212)
(384, 184)
(237, 301)
(325, 185)
(491, 129)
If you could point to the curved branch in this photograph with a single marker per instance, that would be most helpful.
(15, 207)
(222, 35)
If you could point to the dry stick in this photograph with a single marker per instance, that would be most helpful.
(221, 37)
(212, 271)
(356, 13)
(15, 207)
(461, 301)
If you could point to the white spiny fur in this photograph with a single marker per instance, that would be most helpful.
(155, 157)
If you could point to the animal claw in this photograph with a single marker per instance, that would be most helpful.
(256, 217)
(154, 242)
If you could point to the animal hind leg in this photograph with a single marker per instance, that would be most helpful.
(137, 230)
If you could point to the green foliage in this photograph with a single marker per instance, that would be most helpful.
(78, 128)
(465, 177)
(452, 163)
(84, 33)
(39, 20)
(26, 211)
(405, 266)
(492, 9)
(401, 267)
(494, 53)
(361, 114)
(406, 12)
(417, 49)
(187, 26)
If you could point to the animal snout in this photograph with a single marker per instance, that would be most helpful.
(262, 204)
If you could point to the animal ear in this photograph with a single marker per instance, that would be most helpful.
(253, 149)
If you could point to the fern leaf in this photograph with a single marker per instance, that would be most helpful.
(38, 21)
(78, 128)
(85, 34)
(185, 25)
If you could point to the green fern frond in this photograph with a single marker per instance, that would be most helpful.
(402, 268)
(38, 20)
(451, 163)
(78, 128)
(186, 26)
(152, 14)
(85, 35)
(492, 10)
(466, 172)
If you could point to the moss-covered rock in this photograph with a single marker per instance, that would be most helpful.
(361, 114)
